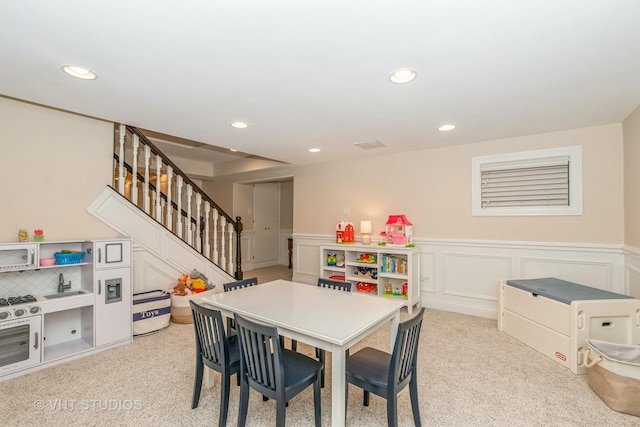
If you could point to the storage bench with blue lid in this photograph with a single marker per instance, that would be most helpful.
(556, 317)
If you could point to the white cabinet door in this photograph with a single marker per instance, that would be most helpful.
(113, 305)
(266, 223)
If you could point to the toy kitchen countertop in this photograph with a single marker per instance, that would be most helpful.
(17, 306)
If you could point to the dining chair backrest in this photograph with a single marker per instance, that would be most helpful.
(334, 284)
(376, 371)
(261, 357)
(405, 351)
(233, 286)
(239, 284)
(217, 352)
(263, 362)
(211, 340)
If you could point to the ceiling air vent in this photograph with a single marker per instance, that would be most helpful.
(370, 145)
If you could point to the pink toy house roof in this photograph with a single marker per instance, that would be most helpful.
(398, 220)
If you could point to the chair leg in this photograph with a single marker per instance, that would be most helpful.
(415, 404)
(281, 412)
(392, 411)
(243, 405)
(365, 398)
(197, 385)
(316, 402)
(322, 357)
(225, 381)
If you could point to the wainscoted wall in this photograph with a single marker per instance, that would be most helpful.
(283, 245)
(632, 270)
(462, 275)
(246, 250)
(159, 257)
(247, 244)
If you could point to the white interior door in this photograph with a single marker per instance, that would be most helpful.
(266, 223)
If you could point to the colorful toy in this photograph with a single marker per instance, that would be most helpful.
(345, 232)
(367, 258)
(38, 235)
(331, 259)
(181, 289)
(366, 272)
(365, 287)
(200, 282)
(398, 230)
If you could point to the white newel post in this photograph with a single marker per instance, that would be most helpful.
(231, 267)
(147, 157)
(158, 212)
(207, 212)
(134, 170)
(121, 172)
(189, 226)
(169, 210)
(198, 208)
(223, 226)
(179, 183)
(215, 254)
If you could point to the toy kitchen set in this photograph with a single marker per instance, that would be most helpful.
(62, 300)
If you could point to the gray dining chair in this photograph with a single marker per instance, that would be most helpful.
(233, 286)
(385, 374)
(216, 351)
(273, 371)
(329, 284)
(334, 284)
(239, 284)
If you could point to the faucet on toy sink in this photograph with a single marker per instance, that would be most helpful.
(61, 285)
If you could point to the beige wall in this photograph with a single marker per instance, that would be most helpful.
(631, 129)
(52, 166)
(433, 188)
(234, 193)
(286, 205)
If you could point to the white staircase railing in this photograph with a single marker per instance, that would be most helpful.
(210, 231)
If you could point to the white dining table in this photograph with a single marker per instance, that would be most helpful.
(329, 319)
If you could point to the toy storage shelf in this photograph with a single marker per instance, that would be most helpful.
(394, 271)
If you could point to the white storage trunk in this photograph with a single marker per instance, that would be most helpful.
(151, 312)
(559, 330)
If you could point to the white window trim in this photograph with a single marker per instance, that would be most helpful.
(575, 178)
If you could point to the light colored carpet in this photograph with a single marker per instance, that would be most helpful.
(470, 375)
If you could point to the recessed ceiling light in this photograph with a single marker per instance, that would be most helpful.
(79, 72)
(314, 150)
(233, 149)
(239, 125)
(402, 75)
(445, 128)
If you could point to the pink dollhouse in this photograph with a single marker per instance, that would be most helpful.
(398, 230)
